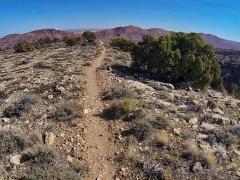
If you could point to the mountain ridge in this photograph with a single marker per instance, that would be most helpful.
(130, 32)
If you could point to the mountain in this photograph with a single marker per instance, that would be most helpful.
(130, 32)
(11, 40)
(220, 43)
(135, 33)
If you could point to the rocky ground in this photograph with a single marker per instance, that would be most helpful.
(41, 110)
(167, 132)
(57, 123)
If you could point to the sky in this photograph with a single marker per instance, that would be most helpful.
(219, 17)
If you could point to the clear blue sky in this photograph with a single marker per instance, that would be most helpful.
(220, 17)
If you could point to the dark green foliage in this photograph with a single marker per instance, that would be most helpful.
(89, 37)
(178, 58)
(17, 110)
(123, 44)
(25, 47)
(72, 42)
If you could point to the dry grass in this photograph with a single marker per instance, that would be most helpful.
(160, 137)
(67, 111)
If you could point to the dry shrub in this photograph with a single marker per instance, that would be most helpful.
(20, 107)
(43, 163)
(118, 92)
(67, 111)
(12, 141)
(160, 137)
(121, 108)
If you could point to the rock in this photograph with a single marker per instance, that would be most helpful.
(218, 111)
(16, 159)
(5, 120)
(70, 158)
(237, 152)
(193, 121)
(85, 111)
(197, 168)
(219, 119)
(161, 86)
(177, 131)
(49, 138)
(208, 126)
(202, 136)
(211, 104)
(50, 96)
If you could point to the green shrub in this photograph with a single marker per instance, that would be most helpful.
(123, 44)
(89, 37)
(178, 58)
(72, 42)
(121, 108)
(25, 47)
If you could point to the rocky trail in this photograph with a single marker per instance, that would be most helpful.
(99, 148)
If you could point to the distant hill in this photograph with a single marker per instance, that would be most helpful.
(129, 32)
(135, 33)
(11, 40)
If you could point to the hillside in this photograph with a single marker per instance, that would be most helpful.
(135, 33)
(11, 40)
(129, 32)
(83, 113)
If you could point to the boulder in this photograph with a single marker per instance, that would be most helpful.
(16, 159)
(193, 121)
(161, 86)
(49, 138)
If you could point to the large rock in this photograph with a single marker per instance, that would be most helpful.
(16, 159)
(161, 86)
(49, 138)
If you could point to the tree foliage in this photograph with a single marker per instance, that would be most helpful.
(25, 47)
(177, 58)
(123, 44)
(89, 37)
(72, 41)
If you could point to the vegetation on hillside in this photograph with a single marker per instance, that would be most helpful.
(177, 58)
(25, 47)
(123, 44)
(89, 37)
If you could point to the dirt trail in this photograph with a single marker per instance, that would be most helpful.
(99, 147)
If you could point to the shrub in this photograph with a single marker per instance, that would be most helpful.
(72, 42)
(12, 141)
(178, 58)
(121, 108)
(117, 92)
(235, 90)
(23, 106)
(42, 163)
(68, 111)
(123, 44)
(89, 37)
(161, 138)
(25, 47)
